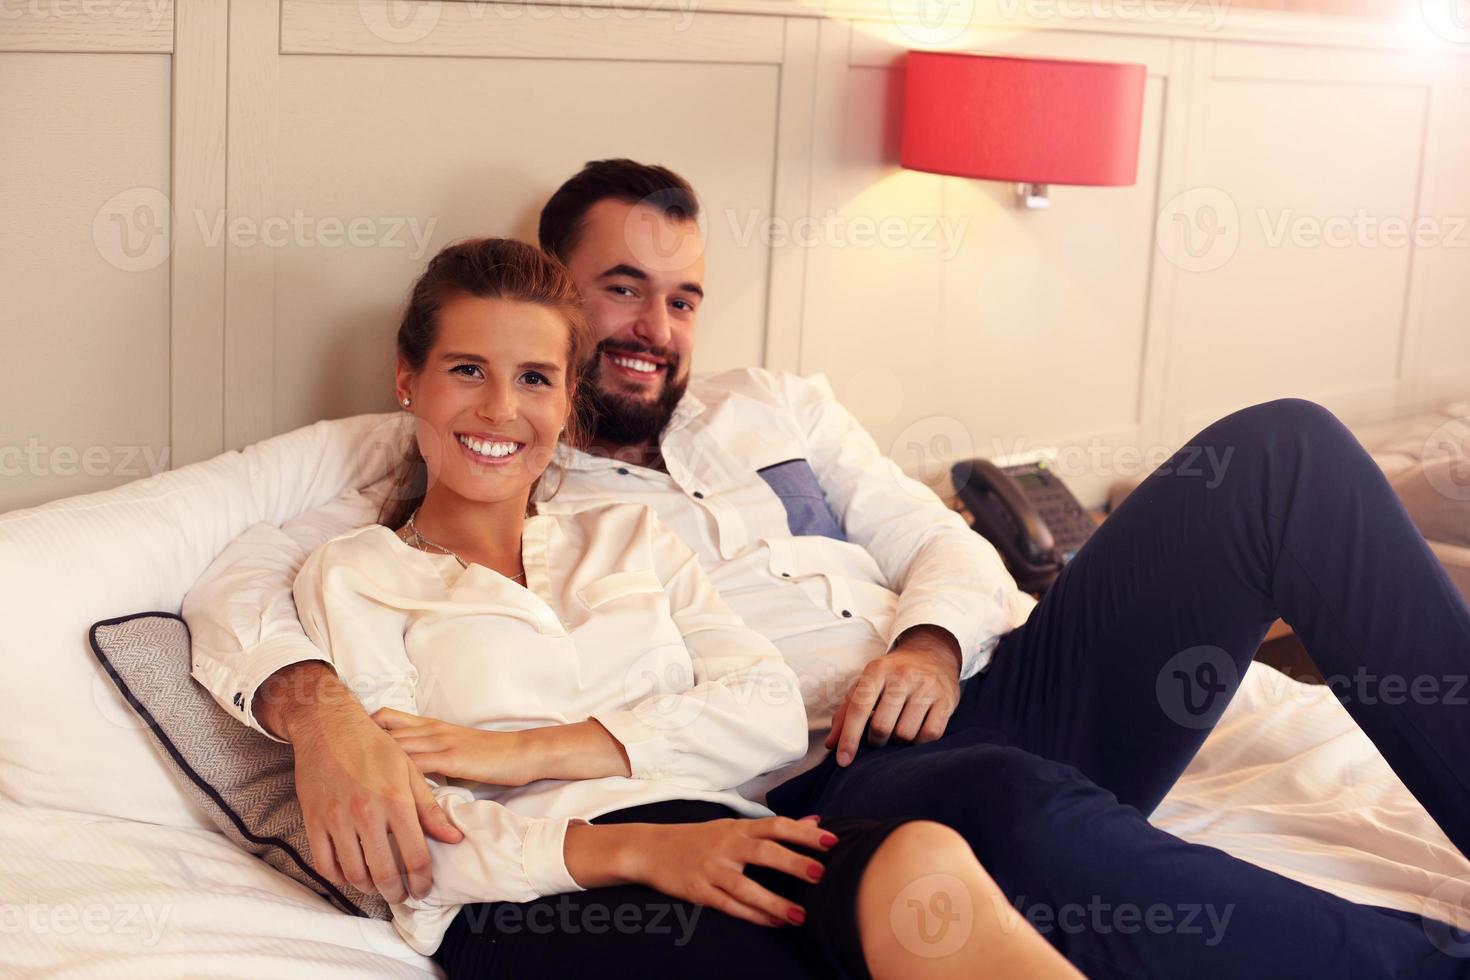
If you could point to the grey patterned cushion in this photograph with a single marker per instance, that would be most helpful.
(241, 779)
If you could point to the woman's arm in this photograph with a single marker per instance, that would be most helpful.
(582, 750)
(353, 603)
(741, 712)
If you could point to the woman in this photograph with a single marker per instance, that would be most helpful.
(589, 702)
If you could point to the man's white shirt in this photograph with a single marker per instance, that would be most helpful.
(806, 530)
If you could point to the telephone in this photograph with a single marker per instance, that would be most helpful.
(1027, 513)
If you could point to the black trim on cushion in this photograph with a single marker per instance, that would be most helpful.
(331, 891)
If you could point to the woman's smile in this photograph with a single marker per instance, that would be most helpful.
(488, 453)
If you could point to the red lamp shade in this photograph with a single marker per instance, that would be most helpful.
(1022, 119)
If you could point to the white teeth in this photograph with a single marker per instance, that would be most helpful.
(637, 364)
(493, 449)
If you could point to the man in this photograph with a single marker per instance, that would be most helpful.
(883, 602)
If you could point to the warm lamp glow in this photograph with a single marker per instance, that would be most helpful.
(1031, 120)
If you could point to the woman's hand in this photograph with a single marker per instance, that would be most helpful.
(702, 863)
(437, 746)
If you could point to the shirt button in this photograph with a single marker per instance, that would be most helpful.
(847, 614)
(622, 470)
(698, 495)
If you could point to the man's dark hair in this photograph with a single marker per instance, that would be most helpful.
(563, 217)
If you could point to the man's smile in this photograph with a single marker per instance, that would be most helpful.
(635, 367)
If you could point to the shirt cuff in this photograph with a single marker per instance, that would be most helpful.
(544, 860)
(235, 690)
(650, 755)
(978, 636)
(965, 628)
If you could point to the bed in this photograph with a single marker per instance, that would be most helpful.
(107, 867)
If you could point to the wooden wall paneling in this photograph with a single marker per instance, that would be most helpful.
(498, 30)
(793, 179)
(1187, 59)
(137, 27)
(249, 340)
(85, 239)
(197, 273)
(1305, 157)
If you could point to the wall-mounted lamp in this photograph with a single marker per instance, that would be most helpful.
(1030, 120)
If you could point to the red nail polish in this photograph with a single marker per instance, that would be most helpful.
(796, 915)
(827, 840)
(814, 871)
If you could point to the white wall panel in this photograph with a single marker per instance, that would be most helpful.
(1295, 269)
(453, 148)
(84, 320)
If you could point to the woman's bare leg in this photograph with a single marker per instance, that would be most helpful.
(927, 909)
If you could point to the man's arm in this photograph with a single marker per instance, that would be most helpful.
(242, 620)
(251, 653)
(956, 597)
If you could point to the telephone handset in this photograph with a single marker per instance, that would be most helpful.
(1029, 515)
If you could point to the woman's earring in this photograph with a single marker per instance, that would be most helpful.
(405, 402)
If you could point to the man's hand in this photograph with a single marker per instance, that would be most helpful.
(354, 784)
(909, 693)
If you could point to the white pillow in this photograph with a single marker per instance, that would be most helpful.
(68, 740)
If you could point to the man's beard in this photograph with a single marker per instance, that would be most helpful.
(630, 420)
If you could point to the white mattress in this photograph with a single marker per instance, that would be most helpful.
(1286, 781)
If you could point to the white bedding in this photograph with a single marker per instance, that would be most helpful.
(1286, 781)
(89, 896)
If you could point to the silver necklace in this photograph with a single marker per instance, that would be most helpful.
(419, 541)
